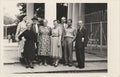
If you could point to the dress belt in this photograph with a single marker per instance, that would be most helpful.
(55, 36)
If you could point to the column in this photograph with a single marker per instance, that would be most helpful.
(91, 27)
(5, 32)
(101, 37)
(75, 16)
(30, 11)
(70, 10)
(50, 12)
(82, 11)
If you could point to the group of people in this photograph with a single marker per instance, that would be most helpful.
(56, 43)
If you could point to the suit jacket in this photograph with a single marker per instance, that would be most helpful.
(34, 30)
(81, 34)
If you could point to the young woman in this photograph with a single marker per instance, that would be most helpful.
(56, 43)
(20, 29)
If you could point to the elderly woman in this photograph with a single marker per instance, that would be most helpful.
(56, 43)
(44, 42)
(29, 47)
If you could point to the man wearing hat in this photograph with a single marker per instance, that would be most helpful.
(34, 28)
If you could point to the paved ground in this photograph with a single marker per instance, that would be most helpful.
(89, 67)
(10, 57)
(10, 54)
(93, 63)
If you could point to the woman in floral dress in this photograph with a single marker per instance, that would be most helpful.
(44, 42)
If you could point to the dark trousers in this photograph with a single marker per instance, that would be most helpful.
(62, 60)
(80, 56)
(68, 49)
(36, 52)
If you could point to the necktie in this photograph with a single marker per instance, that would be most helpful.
(36, 28)
(64, 25)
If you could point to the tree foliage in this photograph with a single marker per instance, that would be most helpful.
(22, 8)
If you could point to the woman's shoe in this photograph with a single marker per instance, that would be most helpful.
(27, 66)
(80, 67)
(65, 64)
(56, 64)
(45, 64)
(40, 63)
(70, 64)
(32, 67)
(53, 64)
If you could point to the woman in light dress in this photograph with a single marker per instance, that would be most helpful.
(20, 29)
(56, 43)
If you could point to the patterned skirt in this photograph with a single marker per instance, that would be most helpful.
(44, 45)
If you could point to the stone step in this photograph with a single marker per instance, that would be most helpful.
(11, 52)
(16, 60)
(10, 49)
(13, 59)
(66, 71)
(10, 46)
(89, 67)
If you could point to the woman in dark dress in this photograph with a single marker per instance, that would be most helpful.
(80, 43)
(29, 47)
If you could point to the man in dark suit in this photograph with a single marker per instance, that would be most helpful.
(34, 28)
(80, 44)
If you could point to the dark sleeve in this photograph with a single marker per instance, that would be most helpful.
(50, 31)
(20, 37)
(76, 34)
(85, 37)
(34, 36)
(31, 27)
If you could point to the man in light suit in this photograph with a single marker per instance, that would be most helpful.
(63, 26)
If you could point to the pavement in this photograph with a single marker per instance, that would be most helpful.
(93, 63)
(89, 67)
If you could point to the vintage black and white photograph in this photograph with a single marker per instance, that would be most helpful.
(55, 38)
